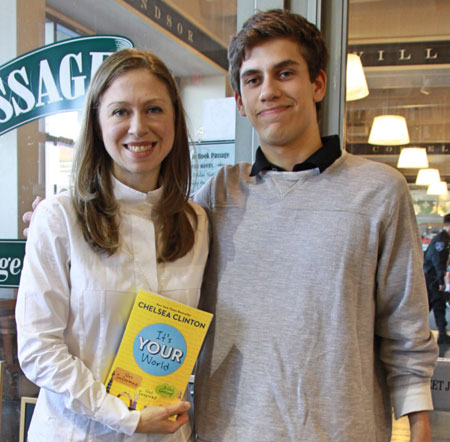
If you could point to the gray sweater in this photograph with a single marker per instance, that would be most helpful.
(316, 282)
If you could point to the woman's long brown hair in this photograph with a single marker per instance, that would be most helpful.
(93, 197)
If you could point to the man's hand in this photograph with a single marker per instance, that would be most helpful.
(26, 218)
(419, 423)
(156, 419)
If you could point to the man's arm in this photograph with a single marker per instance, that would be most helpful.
(419, 423)
(28, 215)
(439, 259)
(407, 348)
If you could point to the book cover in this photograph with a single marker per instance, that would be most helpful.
(158, 351)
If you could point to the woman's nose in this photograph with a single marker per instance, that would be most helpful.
(138, 126)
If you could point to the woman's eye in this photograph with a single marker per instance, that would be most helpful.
(119, 112)
(154, 110)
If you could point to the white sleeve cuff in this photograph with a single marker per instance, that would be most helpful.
(411, 398)
(114, 413)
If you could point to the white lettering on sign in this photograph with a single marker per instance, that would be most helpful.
(70, 85)
(9, 266)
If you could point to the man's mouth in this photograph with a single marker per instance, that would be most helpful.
(272, 110)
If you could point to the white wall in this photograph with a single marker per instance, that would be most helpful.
(193, 91)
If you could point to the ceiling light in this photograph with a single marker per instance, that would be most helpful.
(356, 80)
(389, 130)
(425, 177)
(438, 188)
(413, 158)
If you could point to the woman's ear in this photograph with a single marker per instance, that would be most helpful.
(97, 129)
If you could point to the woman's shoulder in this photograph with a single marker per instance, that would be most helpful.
(54, 206)
(199, 210)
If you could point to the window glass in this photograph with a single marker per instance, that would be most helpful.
(404, 48)
(61, 130)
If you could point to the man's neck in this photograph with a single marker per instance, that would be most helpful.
(287, 157)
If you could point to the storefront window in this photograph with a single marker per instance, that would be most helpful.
(404, 48)
(61, 130)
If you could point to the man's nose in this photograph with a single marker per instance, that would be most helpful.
(269, 89)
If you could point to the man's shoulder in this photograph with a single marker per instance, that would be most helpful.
(371, 171)
(438, 244)
(234, 173)
(227, 181)
(367, 164)
(441, 236)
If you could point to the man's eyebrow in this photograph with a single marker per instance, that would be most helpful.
(282, 64)
(286, 63)
(249, 72)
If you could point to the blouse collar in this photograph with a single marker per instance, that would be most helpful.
(124, 193)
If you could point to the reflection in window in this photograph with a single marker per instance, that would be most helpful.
(61, 130)
(217, 17)
(404, 49)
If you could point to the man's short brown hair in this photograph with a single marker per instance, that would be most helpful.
(275, 23)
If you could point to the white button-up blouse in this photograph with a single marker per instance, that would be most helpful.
(72, 308)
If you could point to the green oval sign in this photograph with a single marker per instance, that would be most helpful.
(52, 79)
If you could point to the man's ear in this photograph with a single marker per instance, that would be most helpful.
(239, 104)
(320, 86)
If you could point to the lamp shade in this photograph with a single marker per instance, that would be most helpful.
(425, 177)
(389, 130)
(413, 158)
(438, 188)
(356, 80)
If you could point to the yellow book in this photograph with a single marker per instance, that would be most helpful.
(158, 351)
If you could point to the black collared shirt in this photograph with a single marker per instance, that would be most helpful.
(321, 158)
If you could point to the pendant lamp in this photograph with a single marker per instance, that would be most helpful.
(413, 158)
(438, 188)
(356, 80)
(389, 130)
(425, 177)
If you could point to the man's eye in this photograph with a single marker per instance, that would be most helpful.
(251, 81)
(285, 74)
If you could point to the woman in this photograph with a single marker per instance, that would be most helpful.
(126, 224)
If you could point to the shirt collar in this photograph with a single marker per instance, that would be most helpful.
(321, 158)
(126, 194)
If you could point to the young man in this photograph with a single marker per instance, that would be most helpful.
(315, 274)
(435, 268)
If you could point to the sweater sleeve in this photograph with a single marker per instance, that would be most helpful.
(408, 348)
(202, 195)
(42, 314)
